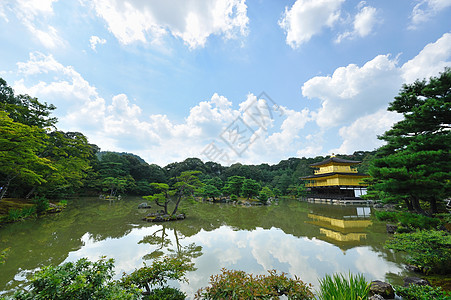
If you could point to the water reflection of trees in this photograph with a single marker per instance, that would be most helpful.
(162, 243)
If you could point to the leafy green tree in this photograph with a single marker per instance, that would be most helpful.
(211, 191)
(250, 188)
(158, 273)
(233, 185)
(161, 197)
(19, 148)
(117, 185)
(415, 164)
(186, 184)
(25, 109)
(80, 280)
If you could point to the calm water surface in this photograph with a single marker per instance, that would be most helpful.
(304, 239)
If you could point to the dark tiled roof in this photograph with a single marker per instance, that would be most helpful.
(337, 160)
(333, 173)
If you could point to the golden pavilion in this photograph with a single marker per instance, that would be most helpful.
(335, 178)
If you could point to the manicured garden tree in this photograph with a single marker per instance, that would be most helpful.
(250, 188)
(211, 191)
(415, 163)
(185, 185)
(161, 197)
(233, 185)
(158, 274)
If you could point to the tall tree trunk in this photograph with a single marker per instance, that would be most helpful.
(433, 202)
(408, 204)
(177, 205)
(416, 205)
(30, 192)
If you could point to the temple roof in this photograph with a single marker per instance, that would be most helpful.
(337, 160)
(334, 173)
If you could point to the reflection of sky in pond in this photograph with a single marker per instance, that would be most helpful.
(252, 251)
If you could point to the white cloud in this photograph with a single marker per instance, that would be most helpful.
(193, 20)
(430, 61)
(307, 18)
(94, 40)
(356, 98)
(353, 91)
(355, 135)
(119, 124)
(424, 10)
(34, 15)
(363, 24)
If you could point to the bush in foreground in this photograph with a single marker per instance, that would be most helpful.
(232, 284)
(421, 292)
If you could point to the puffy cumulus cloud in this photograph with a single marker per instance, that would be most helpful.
(356, 98)
(35, 15)
(94, 41)
(193, 20)
(307, 18)
(353, 91)
(424, 10)
(120, 124)
(430, 61)
(366, 126)
(364, 22)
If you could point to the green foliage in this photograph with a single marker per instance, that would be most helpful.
(80, 280)
(233, 197)
(263, 197)
(42, 204)
(20, 214)
(414, 165)
(232, 284)
(250, 188)
(421, 292)
(210, 191)
(338, 286)
(161, 270)
(428, 250)
(409, 221)
(165, 293)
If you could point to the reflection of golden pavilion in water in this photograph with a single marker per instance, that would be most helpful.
(335, 180)
(345, 232)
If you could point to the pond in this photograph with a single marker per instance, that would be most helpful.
(299, 238)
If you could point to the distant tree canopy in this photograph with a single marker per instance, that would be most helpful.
(415, 164)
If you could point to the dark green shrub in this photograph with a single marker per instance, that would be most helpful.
(233, 284)
(166, 293)
(408, 221)
(233, 197)
(429, 250)
(421, 292)
(354, 287)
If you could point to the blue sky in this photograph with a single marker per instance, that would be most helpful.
(174, 79)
